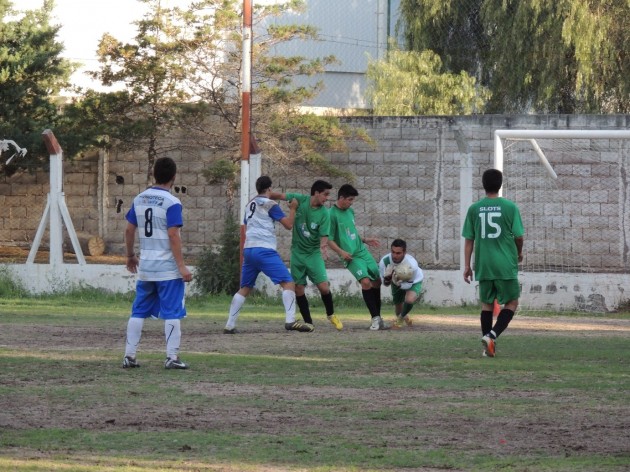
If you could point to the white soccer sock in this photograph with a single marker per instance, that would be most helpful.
(173, 334)
(235, 310)
(134, 333)
(288, 299)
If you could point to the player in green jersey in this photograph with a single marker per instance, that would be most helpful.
(346, 242)
(494, 230)
(308, 247)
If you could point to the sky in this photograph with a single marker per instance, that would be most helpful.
(83, 22)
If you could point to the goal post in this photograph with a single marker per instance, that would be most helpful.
(532, 135)
(574, 198)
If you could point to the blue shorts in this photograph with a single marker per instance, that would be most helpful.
(267, 261)
(162, 299)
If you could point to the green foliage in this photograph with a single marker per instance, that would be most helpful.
(558, 56)
(220, 171)
(183, 89)
(217, 270)
(9, 288)
(153, 73)
(32, 72)
(414, 83)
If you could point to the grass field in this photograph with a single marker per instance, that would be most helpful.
(555, 398)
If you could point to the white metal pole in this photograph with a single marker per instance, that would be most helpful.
(498, 156)
(56, 194)
(245, 112)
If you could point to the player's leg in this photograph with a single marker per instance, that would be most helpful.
(411, 296)
(249, 272)
(358, 267)
(487, 295)
(508, 293)
(273, 267)
(375, 278)
(302, 303)
(145, 304)
(327, 299)
(172, 310)
(298, 273)
(316, 271)
(238, 300)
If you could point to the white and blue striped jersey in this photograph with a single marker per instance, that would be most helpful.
(153, 212)
(261, 215)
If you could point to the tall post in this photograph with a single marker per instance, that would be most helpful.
(56, 210)
(246, 81)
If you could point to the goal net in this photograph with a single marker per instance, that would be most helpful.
(570, 187)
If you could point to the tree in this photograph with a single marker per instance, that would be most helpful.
(558, 56)
(413, 83)
(183, 73)
(152, 70)
(32, 73)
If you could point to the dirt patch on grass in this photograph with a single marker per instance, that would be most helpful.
(408, 418)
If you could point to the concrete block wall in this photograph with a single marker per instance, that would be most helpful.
(410, 185)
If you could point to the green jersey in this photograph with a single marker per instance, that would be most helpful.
(310, 225)
(493, 223)
(343, 230)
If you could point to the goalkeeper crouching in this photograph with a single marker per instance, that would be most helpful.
(402, 273)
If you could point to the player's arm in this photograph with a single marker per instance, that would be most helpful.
(417, 270)
(346, 256)
(277, 196)
(372, 242)
(469, 244)
(175, 239)
(323, 246)
(519, 247)
(386, 272)
(287, 221)
(132, 258)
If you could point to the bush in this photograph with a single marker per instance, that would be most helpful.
(10, 288)
(218, 269)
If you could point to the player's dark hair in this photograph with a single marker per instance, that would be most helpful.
(164, 170)
(492, 180)
(400, 243)
(262, 184)
(347, 190)
(320, 186)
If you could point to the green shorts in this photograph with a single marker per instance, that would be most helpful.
(398, 294)
(501, 290)
(363, 265)
(311, 266)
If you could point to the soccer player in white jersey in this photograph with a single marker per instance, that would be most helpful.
(260, 255)
(404, 294)
(157, 215)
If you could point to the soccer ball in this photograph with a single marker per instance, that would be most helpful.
(404, 272)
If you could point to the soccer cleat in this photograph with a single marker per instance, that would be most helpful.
(378, 324)
(176, 363)
(299, 326)
(130, 362)
(408, 321)
(230, 331)
(336, 322)
(398, 323)
(488, 345)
